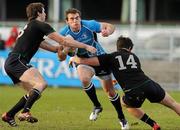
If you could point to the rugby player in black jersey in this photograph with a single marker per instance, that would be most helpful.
(137, 87)
(17, 64)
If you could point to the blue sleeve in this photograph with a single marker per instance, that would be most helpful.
(63, 31)
(93, 25)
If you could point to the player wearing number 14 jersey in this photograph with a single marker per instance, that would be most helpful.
(137, 87)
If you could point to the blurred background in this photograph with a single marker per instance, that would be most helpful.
(153, 25)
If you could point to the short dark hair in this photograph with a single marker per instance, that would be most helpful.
(124, 42)
(72, 11)
(32, 10)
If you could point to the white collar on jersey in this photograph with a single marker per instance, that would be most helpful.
(129, 50)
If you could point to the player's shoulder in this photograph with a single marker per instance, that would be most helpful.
(88, 22)
(64, 29)
(38, 23)
(119, 53)
(91, 25)
(132, 53)
(115, 53)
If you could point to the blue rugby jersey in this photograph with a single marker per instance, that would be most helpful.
(85, 35)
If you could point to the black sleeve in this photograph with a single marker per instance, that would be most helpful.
(46, 28)
(104, 60)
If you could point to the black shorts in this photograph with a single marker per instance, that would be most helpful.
(101, 71)
(150, 90)
(15, 66)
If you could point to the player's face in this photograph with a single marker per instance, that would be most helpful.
(74, 21)
(42, 15)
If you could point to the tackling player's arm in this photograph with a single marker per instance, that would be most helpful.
(66, 41)
(64, 51)
(107, 29)
(60, 50)
(94, 61)
(49, 47)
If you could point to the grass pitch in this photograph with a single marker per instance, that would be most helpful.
(69, 109)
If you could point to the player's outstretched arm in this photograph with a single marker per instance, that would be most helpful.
(49, 47)
(89, 61)
(66, 41)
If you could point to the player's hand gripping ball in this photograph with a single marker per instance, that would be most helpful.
(72, 51)
(61, 54)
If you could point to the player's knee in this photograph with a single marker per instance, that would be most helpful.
(41, 85)
(123, 103)
(110, 91)
(44, 85)
(85, 81)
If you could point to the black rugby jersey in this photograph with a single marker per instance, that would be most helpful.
(30, 38)
(126, 68)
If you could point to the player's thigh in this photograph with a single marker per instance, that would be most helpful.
(85, 72)
(154, 92)
(134, 98)
(168, 100)
(33, 77)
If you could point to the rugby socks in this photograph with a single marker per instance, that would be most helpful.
(34, 94)
(117, 105)
(148, 120)
(20, 104)
(91, 92)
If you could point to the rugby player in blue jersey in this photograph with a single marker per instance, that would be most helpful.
(85, 31)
